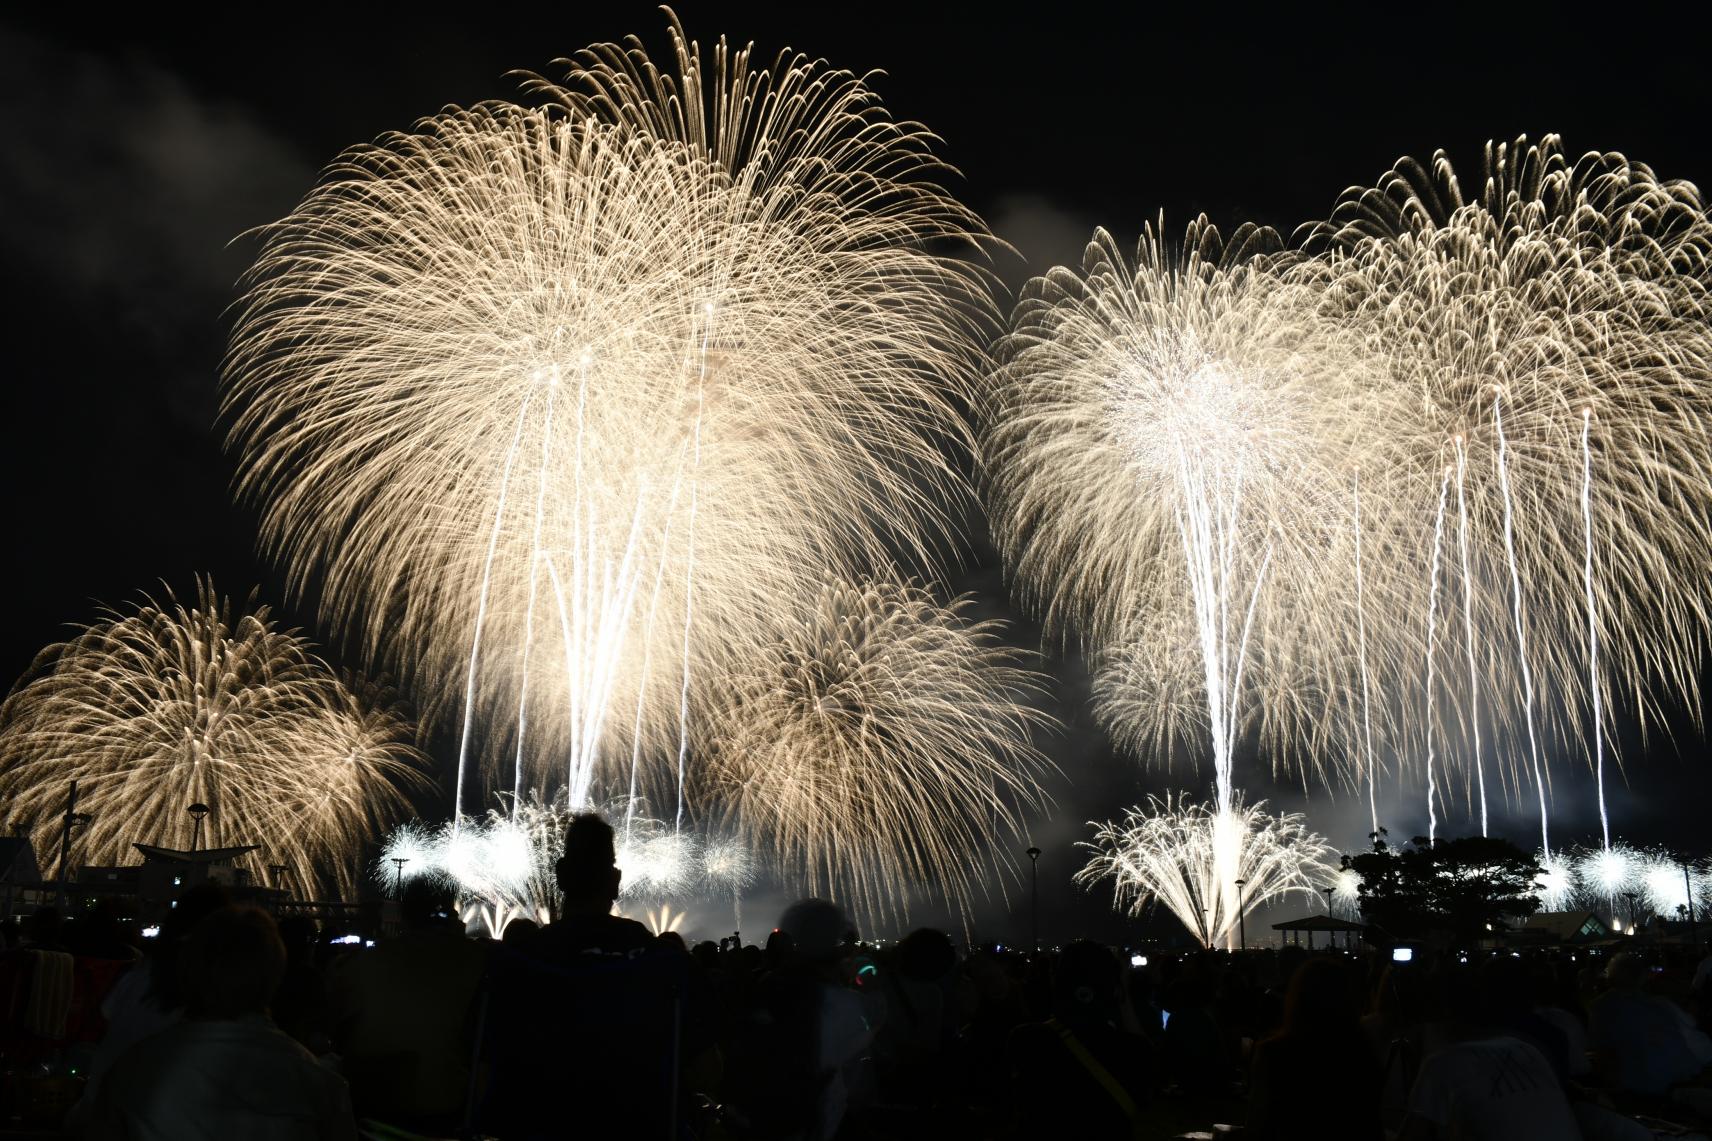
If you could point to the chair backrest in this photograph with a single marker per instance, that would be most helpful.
(564, 1045)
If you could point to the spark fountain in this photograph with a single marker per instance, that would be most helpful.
(1170, 852)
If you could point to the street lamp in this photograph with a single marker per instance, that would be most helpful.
(71, 819)
(1034, 893)
(197, 812)
(398, 885)
(1241, 914)
(1688, 889)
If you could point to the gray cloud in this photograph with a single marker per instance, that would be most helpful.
(122, 190)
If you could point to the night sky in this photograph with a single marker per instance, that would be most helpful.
(136, 153)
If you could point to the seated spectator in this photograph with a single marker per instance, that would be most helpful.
(225, 1071)
(148, 998)
(798, 1053)
(1485, 1084)
(1321, 1034)
(1642, 1043)
(520, 933)
(589, 877)
(403, 1013)
(1078, 1074)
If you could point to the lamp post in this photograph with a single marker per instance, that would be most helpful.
(398, 884)
(72, 819)
(1688, 890)
(1034, 895)
(1241, 915)
(197, 811)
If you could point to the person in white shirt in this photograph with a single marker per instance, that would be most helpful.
(1485, 1084)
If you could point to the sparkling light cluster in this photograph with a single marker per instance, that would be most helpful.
(1170, 851)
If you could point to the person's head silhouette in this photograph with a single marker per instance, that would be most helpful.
(588, 871)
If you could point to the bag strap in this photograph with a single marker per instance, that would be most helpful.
(1114, 1088)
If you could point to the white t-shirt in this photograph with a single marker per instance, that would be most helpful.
(1492, 1089)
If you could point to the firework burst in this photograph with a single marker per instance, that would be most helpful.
(1174, 455)
(1551, 331)
(880, 744)
(555, 404)
(1174, 852)
(164, 705)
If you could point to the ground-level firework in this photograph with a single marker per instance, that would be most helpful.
(1172, 852)
(164, 705)
(503, 866)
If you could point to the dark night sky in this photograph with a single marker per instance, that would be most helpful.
(135, 151)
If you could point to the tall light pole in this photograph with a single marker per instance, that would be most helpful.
(72, 819)
(398, 884)
(1241, 914)
(1688, 889)
(1034, 893)
(197, 812)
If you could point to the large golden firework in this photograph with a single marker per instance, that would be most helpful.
(556, 404)
(1551, 334)
(157, 708)
(879, 745)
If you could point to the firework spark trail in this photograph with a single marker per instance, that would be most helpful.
(529, 610)
(1171, 851)
(1427, 710)
(393, 322)
(167, 704)
(689, 567)
(1468, 627)
(481, 616)
(1593, 623)
(1516, 610)
(1361, 642)
(882, 744)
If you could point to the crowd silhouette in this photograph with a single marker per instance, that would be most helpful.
(229, 1025)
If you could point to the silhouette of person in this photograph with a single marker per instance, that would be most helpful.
(226, 1070)
(403, 1015)
(589, 877)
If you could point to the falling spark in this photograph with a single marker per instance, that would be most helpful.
(1516, 610)
(1593, 623)
(1468, 627)
(1428, 712)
